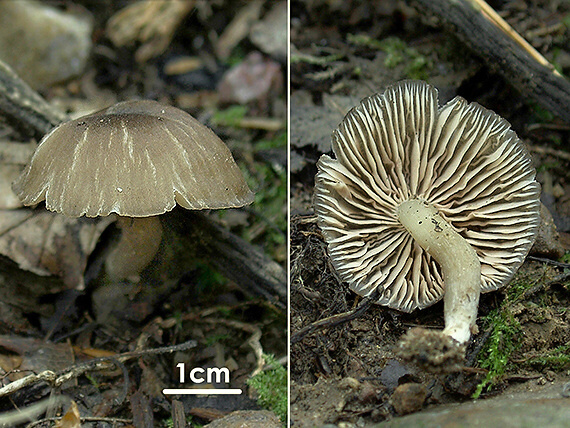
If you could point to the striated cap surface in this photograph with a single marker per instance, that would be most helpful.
(136, 159)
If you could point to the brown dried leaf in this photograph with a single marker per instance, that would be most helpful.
(151, 23)
(13, 156)
(46, 243)
(39, 241)
(38, 355)
(238, 29)
(71, 419)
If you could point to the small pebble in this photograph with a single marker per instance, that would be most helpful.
(409, 398)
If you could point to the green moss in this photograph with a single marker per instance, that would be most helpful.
(231, 116)
(556, 359)
(365, 40)
(504, 340)
(542, 114)
(92, 380)
(271, 387)
(566, 21)
(315, 60)
(268, 181)
(416, 65)
(169, 423)
(279, 141)
(506, 334)
(215, 338)
(396, 51)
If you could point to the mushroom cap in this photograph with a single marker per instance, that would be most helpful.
(461, 158)
(136, 159)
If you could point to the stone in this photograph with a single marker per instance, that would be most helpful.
(409, 398)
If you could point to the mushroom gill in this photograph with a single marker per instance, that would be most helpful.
(462, 163)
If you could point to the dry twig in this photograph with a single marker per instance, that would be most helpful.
(96, 364)
(334, 320)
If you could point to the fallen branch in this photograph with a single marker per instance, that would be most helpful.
(234, 257)
(23, 107)
(111, 421)
(504, 51)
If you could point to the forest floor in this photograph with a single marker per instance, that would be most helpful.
(349, 374)
(59, 312)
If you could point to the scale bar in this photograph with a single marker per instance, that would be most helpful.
(195, 391)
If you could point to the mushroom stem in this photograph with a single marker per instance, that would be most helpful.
(458, 261)
(139, 243)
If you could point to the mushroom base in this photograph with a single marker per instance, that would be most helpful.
(432, 351)
(139, 243)
(458, 261)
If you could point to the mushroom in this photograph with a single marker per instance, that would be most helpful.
(425, 202)
(137, 159)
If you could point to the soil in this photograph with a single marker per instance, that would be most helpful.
(348, 373)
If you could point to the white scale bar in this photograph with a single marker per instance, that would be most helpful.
(195, 391)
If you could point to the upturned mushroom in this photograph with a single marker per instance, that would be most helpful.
(137, 159)
(425, 202)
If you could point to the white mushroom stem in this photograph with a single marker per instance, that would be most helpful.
(139, 243)
(458, 261)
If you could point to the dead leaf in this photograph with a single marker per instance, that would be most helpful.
(13, 156)
(40, 241)
(36, 355)
(256, 79)
(238, 29)
(47, 243)
(71, 419)
(270, 34)
(151, 23)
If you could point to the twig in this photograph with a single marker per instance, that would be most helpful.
(45, 376)
(496, 19)
(333, 320)
(253, 341)
(549, 151)
(24, 108)
(504, 53)
(96, 364)
(263, 123)
(548, 261)
(85, 419)
(15, 417)
(178, 415)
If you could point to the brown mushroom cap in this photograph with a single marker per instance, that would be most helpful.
(461, 158)
(136, 159)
